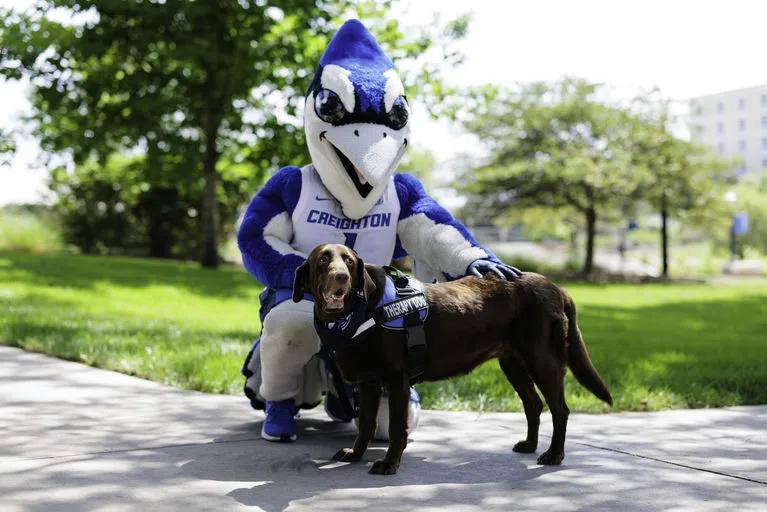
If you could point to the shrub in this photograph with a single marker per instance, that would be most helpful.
(29, 229)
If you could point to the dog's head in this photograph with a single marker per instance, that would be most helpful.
(335, 276)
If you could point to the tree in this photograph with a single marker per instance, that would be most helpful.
(186, 83)
(114, 206)
(683, 177)
(556, 146)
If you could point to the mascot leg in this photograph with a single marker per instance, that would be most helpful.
(312, 383)
(288, 343)
(413, 415)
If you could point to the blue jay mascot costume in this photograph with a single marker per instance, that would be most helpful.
(356, 125)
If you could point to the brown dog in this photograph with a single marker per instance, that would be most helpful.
(528, 324)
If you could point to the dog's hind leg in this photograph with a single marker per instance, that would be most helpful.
(548, 370)
(516, 372)
(370, 402)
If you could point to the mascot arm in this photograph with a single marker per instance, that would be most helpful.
(431, 235)
(267, 229)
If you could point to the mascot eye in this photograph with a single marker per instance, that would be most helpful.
(328, 106)
(399, 113)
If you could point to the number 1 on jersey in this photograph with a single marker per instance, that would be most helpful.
(350, 240)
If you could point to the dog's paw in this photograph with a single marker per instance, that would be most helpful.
(346, 455)
(550, 458)
(525, 446)
(383, 467)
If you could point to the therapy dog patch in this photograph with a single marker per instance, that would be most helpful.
(393, 308)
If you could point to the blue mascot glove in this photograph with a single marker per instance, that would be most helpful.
(481, 267)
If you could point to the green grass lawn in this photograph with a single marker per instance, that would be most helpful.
(657, 346)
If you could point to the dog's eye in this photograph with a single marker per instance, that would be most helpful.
(349, 260)
(322, 259)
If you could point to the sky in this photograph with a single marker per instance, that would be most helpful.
(686, 48)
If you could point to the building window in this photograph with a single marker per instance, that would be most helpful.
(764, 121)
(742, 125)
(699, 131)
(697, 109)
(720, 127)
(720, 107)
(742, 145)
(721, 148)
(764, 142)
(764, 100)
(764, 163)
(741, 104)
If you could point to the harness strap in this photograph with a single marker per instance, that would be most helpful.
(349, 404)
(401, 281)
(415, 334)
(416, 347)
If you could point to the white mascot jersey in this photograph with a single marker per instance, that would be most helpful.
(319, 219)
(356, 122)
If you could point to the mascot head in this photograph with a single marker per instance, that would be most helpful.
(356, 119)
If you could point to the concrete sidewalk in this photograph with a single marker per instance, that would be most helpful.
(78, 438)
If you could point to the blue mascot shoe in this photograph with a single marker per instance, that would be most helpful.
(280, 424)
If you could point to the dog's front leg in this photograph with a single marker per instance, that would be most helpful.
(399, 398)
(370, 401)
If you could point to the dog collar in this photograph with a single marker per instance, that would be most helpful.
(347, 330)
(402, 297)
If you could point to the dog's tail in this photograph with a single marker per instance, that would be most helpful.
(578, 357)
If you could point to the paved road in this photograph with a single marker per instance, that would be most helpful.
(78, 438)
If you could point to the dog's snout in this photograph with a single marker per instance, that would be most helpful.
(340, 277)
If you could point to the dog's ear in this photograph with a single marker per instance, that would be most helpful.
(301, 284)
(366, 284)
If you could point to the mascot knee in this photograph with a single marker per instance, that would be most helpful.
(288, 335)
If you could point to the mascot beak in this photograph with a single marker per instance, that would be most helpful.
(368, 152)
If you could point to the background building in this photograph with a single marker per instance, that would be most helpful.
(735, 124)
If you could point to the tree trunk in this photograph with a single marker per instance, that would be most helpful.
(209, 215)
(664, 234)
(591, 228)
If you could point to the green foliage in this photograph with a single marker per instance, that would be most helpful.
(752, 198)
(115, 206)
(555, 146)
(657, 346)
(188, 83)
(541, 223)
(684, 177)
(94, 216)
(7, 148)
(560, 147)
(421, 165)
(29, 229)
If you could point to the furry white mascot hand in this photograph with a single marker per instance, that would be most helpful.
(356, 124)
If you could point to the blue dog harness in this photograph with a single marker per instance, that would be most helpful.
(402, 307)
